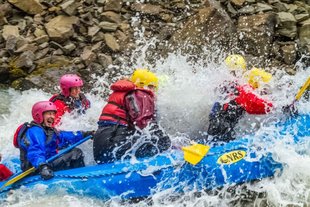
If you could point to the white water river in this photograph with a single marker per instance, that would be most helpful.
(184, 102)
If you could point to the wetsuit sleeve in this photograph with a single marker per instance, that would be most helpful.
(34, 144)
(140, 108)
(67, 138)
(252, 103)
(61, 109)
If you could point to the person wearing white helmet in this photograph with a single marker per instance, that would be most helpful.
(130, 109)
(70, 97)
(237, 99)
(39, 140)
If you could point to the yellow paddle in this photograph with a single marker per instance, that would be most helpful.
(302, 90)
(194, 153)
(18, 177)
(290, 109)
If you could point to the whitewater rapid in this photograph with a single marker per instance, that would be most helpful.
(184, 99)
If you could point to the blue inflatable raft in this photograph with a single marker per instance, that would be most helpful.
(232, 163)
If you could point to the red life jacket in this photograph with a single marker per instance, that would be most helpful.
(65, 104)
(251, 103)
(5, 172)
(68, 102)
(243, 96)
(115, 110)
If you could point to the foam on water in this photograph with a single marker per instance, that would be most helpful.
(184, 100)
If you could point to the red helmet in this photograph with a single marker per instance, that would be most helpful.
(39, 108)
(68, 81)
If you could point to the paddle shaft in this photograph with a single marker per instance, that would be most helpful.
(302, 90)
(19, 176)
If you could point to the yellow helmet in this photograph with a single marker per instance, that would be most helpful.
(144, 77)
(258, 75)
(236, 62)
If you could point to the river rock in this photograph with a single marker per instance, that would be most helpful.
(113, 5)
(110, 16)
(25, 60)
(60, 28)
(4, 73)
(104, 60)
(260, 7)
(5, 10)
(11, 44)
(289, 53)
(27, 47)
(28, 6)
(9, 30)
(147, 8)
(88, 56)
(304, 33)
(70, 7)
(248, 9)
(68, 48)
(23, 84)
(301, 17)
(92, 31)
(281, 7)
(111, 42)
(208, 27)
(287, 25)
(238, 3)
(15, 73)
(108, 26)
(256, 33)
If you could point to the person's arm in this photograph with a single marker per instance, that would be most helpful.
(34, 143)
(252, 103)
(67, 138)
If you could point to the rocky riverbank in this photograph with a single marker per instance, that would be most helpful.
(41, 40)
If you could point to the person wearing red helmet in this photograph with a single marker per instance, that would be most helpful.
(70, 97)
(39, 141)
(127, 124)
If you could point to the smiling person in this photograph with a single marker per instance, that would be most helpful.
(70, 98)
(39, 140)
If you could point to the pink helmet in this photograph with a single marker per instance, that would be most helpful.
(39, 108)
(68, 81)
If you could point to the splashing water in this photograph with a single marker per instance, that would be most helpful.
(184, 100)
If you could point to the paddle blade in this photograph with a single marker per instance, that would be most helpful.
(303, 89)
(194, 153)
(18, 177)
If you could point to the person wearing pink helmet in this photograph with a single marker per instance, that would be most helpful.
(39, 140)
(70, 97)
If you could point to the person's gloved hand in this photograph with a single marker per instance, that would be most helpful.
(46, 172)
